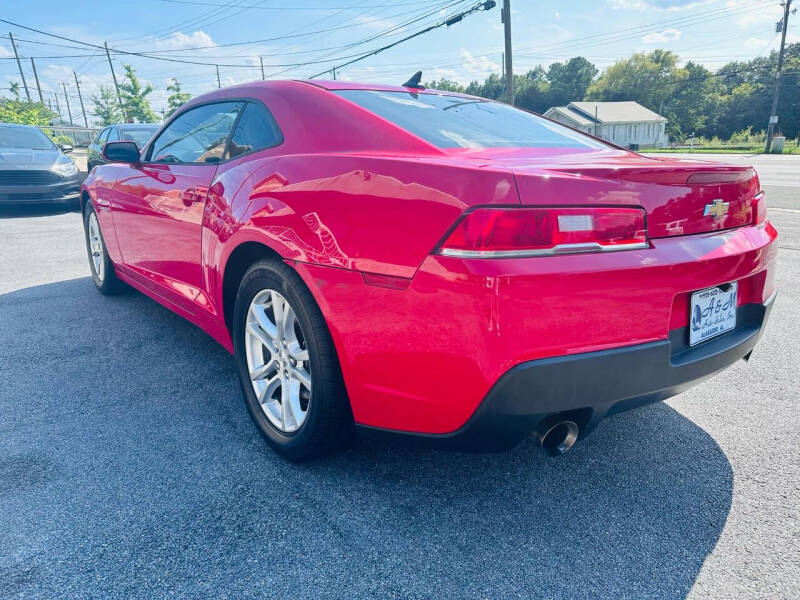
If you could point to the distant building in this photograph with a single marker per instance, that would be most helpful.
(623, 123)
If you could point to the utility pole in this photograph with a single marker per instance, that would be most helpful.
(19, 65)
(773, 115)
(506, 19)
(66, 99)
(83, 110)
(333, 71)
(36, 77)
(58, 108)
(261, 60)
(219, 85)
(116, 85)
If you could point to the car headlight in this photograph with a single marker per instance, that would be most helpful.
(66, 168)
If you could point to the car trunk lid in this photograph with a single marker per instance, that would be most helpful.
(680, 197)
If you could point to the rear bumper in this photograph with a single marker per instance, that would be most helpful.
(423, 357)
(590, 386)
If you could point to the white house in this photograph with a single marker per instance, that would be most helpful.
(622, 123)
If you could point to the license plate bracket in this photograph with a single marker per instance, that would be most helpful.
(712, 312)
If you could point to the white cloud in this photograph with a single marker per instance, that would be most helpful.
(179, 40)
(477, 67)
(557, 15)
(5, 52)
(662, 37)
(439, 73)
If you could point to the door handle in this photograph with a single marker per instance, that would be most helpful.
(192, 195)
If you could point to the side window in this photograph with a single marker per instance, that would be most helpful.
(197, 136)
(256, 130)
(113, 134)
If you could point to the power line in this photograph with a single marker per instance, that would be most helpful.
(215, 64)
(395, 29)
(487, 5)
(299, 8)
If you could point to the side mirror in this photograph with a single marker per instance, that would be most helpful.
(122, 152)
(66, 148)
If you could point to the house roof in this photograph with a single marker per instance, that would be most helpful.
(615, 112)
(572, 115)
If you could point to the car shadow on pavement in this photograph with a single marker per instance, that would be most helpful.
(129, 467)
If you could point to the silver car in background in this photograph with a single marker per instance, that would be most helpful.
(33, 170)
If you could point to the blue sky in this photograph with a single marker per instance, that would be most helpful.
(707, 31)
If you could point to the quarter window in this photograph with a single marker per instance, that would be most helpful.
(199, 135)
(256, 130)
(113, 135)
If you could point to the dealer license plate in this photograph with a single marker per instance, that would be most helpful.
(713, 312)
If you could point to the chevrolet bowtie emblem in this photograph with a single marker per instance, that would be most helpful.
(716, 209)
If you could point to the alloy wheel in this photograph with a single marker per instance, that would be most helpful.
(96, 247)
(278, 361)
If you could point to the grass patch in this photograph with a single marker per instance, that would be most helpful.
(788, 148)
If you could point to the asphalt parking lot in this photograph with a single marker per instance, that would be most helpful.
(129, 468)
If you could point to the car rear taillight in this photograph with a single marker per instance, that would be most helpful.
(508, 232)
(759, 209)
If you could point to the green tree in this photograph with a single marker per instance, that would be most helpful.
(14, 89)
(735, 99)
(177, 98)
(569, 81)
(644, 78)
(25, 113)
(492, 87)
(693, 103)
(446, 85)
(134, 97)
(106, 107)
(531, 90)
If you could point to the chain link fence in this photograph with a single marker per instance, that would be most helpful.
(79, 137)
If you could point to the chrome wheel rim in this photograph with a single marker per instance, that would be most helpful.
(96, 247)
(277, 361)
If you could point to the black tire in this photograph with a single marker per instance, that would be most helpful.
(109, 284)
(328, 425)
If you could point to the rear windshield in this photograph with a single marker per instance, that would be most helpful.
(139, 135)
(456, 122)
(24, 137)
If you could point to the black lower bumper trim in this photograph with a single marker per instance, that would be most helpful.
(588, 387)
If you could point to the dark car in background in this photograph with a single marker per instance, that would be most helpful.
(33, 169)
(140, 133)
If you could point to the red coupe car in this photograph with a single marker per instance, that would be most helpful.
(432, 264)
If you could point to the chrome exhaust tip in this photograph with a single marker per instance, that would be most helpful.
(558, 437)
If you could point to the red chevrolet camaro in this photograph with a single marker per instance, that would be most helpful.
(431, 264)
